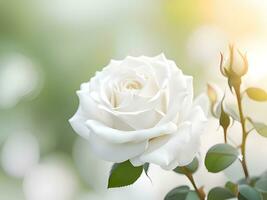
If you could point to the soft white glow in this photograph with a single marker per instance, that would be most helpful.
(257, 63)
(18, 78)
(81, 12)
(51, 180)
(205, 43)
(19, 154)
(134, 40)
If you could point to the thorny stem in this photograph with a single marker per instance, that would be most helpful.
(244, 132)
(200, 194)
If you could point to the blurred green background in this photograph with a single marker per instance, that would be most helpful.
(48, 48)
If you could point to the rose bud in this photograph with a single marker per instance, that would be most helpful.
(213, 98)
(236, 64)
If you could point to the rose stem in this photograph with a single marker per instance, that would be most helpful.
(244, 132)
(191, 179)
(225, 135)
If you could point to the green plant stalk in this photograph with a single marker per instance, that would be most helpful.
(244, 132)
(200, 194)
(225, 135)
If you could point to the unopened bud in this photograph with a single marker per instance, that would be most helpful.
(213, 97)
(235, 65)
(211, 94)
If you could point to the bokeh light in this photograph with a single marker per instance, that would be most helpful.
(20, 153)
(19, 77)
(52, 179)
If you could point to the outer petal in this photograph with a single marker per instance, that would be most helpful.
(78, 124)
(118, 136)
(166, 150)
(161, 57)
(178, 149)
(176, 94)
(116, 152)
(186, 105)
(90, 107)
(138, 120)
(155, 153)
(198, 119)
(203, 101)
(186, 154)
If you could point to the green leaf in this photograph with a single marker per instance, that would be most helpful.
(219, 157)
(264, 196)
(219, 193)
(232, 187)
(264, 175)
(252, 180)
(177, 193)
(260, 128)
(123, 174)
(261, 185)
(146, 167)
(256, 94)
(248, 193)
(190, 168)
(181, 193)
(192, 195)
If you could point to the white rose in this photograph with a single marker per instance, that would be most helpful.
(141, 109)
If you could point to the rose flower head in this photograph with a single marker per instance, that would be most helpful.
(141, 109)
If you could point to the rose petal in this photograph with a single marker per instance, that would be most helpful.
(186, 104)
(133, 103)
(177, 94)
(154, 154)
(118, 136)
(115, 152)
(161, 57)
(166, 150)
(95, 112)
(203, 101)
(89, 106)
(147, 117)
(187, 153)
(138, 120)
(78, 124)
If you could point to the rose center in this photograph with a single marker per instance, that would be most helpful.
(133, 85)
